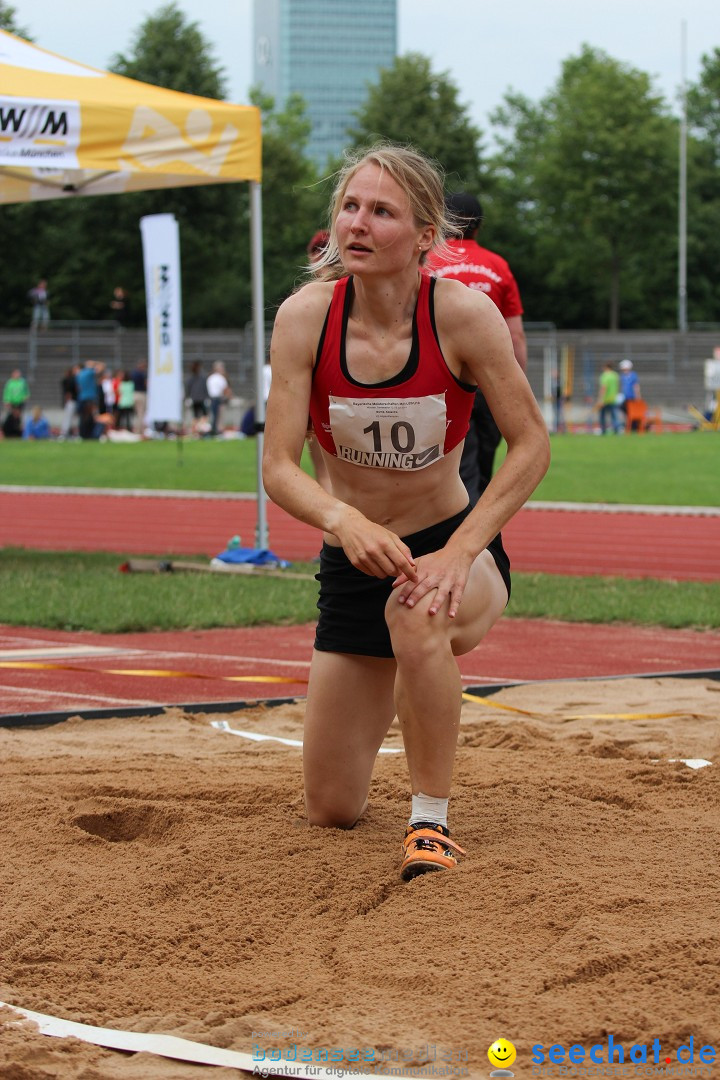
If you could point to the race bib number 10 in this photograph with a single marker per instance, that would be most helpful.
(389, 433)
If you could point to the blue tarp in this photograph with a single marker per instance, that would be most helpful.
(256, 556)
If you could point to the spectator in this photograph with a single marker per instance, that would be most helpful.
(139, 379)
(36, 426)
(247, 424)
(102, 423)
(68, 393)
(120, 305)
(196, 393)
(39, 297)
(559, 399)
(117, 378)
(16, 390)
(126, 402)
(318, 245)
(629, 388)
(108, 392)
(12, 424)
(100, 384)
(219, 391)
(606, 404)
(487, 272)
(87, 398)
(629, 382)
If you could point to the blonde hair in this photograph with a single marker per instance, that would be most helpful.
(420, 178)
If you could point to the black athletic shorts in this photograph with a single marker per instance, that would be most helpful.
(352, 603)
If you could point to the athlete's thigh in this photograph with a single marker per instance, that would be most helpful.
(350, 706)
(483, 602)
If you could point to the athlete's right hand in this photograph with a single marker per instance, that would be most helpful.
(374, 549)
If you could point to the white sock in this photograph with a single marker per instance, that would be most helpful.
(428, 808)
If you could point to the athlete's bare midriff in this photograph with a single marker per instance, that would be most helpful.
(402, 502)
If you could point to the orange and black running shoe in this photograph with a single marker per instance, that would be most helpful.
(427, 847)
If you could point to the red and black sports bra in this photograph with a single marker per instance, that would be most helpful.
(407, 422)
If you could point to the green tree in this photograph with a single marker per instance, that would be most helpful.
(594, 171)
(27, 265)
(410, 104)
(703, 102)
(8, 21)
(703, 217)
(170, 51)
(293, 201)
(86, 246)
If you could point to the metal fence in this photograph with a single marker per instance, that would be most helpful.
(669, 365)
(44, 356)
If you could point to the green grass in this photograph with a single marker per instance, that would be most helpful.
(674, 469)
(642, 601)
(669, 469)
(193, 465)
(83, 591)
(86, 592)
(73, 591)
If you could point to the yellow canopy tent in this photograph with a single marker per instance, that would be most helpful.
(68, 130)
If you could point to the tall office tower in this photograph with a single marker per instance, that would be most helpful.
(328, 51)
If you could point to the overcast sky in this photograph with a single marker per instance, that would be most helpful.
(486, 47)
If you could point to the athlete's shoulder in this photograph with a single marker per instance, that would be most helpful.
(307, 304)
(453, 299)
(465, 315)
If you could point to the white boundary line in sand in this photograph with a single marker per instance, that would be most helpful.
(256, 736)
(171, 1046)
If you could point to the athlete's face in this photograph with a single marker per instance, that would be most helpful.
(375, 227)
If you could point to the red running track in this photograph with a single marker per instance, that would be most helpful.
(626, 544)
(82, 672)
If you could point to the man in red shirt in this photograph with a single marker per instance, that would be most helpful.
(487, 272)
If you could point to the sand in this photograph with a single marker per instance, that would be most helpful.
(157, 875)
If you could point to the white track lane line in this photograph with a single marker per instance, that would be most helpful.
(180, 654)
(65, 696)
(66, 652)
(227, 657)
(10, 640)
(303, 664)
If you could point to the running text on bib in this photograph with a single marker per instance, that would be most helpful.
(389, 433)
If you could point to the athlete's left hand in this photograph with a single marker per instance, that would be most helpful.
(446, 572)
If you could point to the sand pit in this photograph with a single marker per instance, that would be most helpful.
(157, 875)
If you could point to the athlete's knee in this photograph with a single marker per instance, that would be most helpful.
(330, 812)
(415, 634)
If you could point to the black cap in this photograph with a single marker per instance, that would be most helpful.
(465, 210)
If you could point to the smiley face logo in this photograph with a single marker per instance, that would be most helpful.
(501, 1053)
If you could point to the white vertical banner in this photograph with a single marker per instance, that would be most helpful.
(161, 258)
